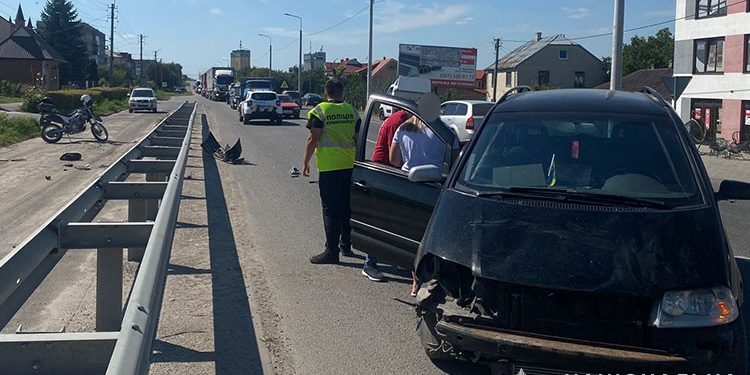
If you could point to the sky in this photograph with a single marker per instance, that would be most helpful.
(200, 34)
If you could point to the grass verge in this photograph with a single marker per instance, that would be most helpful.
(107, 107)
(166, 95)
(10, 99)
(13, 130)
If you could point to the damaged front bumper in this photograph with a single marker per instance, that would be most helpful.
(496, 344)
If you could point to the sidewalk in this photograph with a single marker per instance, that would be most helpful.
(721, 168)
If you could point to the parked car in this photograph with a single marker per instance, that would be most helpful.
(578, 230)
(289, 107)
(295, 95)
(311, 99)
(462, 116)
(142, 98)
(261, 105)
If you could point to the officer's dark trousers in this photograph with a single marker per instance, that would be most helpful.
(335, 198)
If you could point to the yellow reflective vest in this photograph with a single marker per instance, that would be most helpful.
(335, 150)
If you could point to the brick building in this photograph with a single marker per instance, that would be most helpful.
(26, 58)
(711, 47)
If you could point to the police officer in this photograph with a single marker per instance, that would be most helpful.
(334, 126)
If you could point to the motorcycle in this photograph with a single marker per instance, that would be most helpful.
(54, 124)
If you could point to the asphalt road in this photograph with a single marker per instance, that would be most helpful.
(334, 320)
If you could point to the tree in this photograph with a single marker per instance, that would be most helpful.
(60, 27)
(652, 52)
(607, 67)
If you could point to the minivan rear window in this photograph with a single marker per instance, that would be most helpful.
(263, 96)
(633, 156)
(481, 109)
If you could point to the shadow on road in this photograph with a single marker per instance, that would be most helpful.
(236, 350)
(269, 124)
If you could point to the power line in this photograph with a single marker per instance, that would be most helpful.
(344, 20)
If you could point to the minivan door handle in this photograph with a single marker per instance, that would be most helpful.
(361, 185)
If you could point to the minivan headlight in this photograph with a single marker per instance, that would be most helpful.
(695, 308)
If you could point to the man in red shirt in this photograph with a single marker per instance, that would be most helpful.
(385, 135)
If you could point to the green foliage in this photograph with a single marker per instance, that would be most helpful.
(14, 130)
(607, 67)
(355, 91)
(651, 52)
(31, 100)
(11, 89)
(105, 99)
(60, 27)
(541, 87)
(155, 73)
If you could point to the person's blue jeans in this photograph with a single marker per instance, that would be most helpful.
(370, 261)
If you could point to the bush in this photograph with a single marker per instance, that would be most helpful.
(15, 90)
(14, 130)
(68, 100)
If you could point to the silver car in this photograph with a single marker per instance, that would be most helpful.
(464, 115)
(142, 99)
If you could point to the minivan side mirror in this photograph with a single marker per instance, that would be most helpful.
(730, 190)
(425, 173)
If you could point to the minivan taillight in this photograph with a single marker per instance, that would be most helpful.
(470, 123)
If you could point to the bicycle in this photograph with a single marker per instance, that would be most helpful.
(697, 132)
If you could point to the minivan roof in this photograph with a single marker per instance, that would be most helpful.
(588, 100)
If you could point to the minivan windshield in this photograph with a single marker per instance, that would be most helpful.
(143, 93)
(584, 155)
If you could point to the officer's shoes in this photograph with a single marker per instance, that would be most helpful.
(346, 251)
(326, 257)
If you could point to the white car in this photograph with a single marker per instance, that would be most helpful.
(261, 105)
(142, 98)
(463, 116)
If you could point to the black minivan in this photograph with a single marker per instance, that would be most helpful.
(578, 232)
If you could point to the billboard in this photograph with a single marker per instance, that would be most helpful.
(444, 66)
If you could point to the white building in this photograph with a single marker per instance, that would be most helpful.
(711, 47)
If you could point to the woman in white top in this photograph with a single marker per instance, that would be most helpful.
(414, 144)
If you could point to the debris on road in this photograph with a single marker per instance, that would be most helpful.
(227, 154)
(48, 177)
(71, 156)
(11, 160)
(86, 167)
(294, 172)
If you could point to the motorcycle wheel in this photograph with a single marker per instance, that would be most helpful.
(99, 132)
(52, 133)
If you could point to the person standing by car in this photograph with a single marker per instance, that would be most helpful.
(334, 126)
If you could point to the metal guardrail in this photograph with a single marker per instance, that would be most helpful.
(122, 342)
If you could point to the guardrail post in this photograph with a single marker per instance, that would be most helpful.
(136, 214)
(108, 289)
(152, 205)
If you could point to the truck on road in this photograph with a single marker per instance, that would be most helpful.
(216, 83)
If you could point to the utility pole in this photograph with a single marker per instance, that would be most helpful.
(270, 54)
(498, 43)
(369, 56)
(140, 62)
(615, 81)
(299, 66)
(111, 42)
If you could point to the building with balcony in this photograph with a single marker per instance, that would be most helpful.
(711, 50)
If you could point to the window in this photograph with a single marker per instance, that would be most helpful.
(634, 156)
(747, 53)
(461, 109)
(709, 56)
(710, 8)
(563, 54)
(580, 80)
(448, 109)
(508, 79)
(421, 145)
(543, 77)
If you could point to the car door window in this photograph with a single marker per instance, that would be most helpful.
(417, 143)
(448, 109)
(461, 109)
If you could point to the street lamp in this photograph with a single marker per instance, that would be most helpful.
(369, 55)
(299, 66)
(270, 53)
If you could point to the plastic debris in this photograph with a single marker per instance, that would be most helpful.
(227, 154)
(294, 172)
